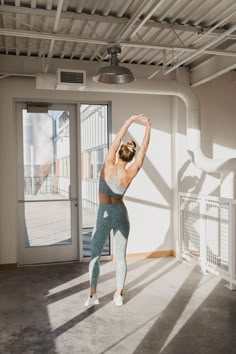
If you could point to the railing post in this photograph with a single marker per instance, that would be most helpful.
(203, 236)
(179, 246)
(232, 243)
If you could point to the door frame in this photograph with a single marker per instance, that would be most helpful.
(109, 136)
(77, 104)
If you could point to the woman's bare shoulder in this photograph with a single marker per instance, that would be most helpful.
(108, 165)
(132, 171)
(107, 169)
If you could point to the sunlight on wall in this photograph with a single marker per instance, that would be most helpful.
(143, 188)
(149, 197)
(220, 151)
(149, 230)
(159, 150)
(161, 154)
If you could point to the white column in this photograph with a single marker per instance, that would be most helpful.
(183, 77)
(227, 186)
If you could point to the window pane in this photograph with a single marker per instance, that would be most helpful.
(46, 152)
(94, 144)
(46, 146)
(47, 223)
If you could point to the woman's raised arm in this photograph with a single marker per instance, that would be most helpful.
(111, 154)
(135, 167)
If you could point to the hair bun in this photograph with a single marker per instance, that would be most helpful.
(131, 145)
(127, 151)
(130, 148)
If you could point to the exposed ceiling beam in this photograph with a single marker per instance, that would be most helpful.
(124, 7)
(109, 19)
(80, 6)
(212, 68)
(70, 38)
(125, 30)
(55, 28)
(147, 17)
(178, 49)
(49, 4)
(207, 45)
(33, 4)
(199, 38)
(58, 15)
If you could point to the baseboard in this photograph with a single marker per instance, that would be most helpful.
(8, 266)
(156, 254)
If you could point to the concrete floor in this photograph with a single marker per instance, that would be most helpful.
(170, 308)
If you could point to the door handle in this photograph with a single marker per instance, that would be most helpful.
(74, 199)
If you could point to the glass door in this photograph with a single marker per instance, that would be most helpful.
(47, 190)
(94, 137)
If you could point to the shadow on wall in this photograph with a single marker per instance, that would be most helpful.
(191, 184)
(146, 202)
(194, 184)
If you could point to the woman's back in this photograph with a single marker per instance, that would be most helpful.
(113, 183)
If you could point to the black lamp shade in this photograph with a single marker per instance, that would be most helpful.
(113, 73)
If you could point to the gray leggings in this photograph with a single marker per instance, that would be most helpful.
(110, 216)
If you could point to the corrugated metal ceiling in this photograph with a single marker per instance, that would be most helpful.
(164, 32)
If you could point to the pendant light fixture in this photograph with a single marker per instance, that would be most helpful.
(114, 74)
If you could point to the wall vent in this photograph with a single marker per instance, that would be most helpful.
(70, 79)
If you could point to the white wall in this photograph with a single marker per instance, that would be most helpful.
(149, 198)
(218, 126)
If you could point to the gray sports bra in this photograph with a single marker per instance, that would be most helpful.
(112, 187)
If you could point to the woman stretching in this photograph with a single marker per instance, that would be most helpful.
(115, 177)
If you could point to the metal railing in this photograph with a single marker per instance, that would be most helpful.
(207, 233)
(90, 194)
(46, 185)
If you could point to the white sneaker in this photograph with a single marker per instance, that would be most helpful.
(118, 300)
(91, 300)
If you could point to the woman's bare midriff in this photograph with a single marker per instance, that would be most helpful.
(105, 199)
